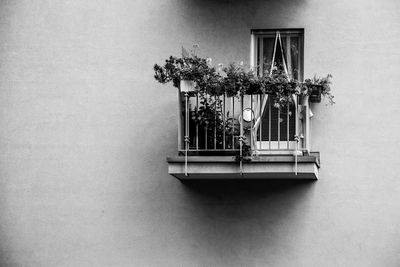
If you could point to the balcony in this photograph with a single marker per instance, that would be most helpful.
(225, 167)
(238, 123)
(243, 137)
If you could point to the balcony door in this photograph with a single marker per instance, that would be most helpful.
(285, 55)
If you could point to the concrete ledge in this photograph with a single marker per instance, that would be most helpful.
(226, 167)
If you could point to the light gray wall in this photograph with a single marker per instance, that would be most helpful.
(85, 129)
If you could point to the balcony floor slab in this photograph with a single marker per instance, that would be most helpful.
(262, 167)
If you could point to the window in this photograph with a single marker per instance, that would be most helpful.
(289, 48)
(281, 51)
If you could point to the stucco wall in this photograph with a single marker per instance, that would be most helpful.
(85, 129)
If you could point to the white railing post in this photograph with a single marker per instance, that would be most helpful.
(186, 131)
(241, 137)
(307, 128)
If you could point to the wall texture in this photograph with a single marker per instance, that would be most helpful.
(85, 129)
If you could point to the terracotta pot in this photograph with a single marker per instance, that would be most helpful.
(187, 86)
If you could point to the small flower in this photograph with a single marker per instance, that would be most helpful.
(194, 51)
(209, 61)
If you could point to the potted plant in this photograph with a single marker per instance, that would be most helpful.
(315, 94)
(196, 74)
(318, 87)
(238, 80)
(186, 73)
(280, 87)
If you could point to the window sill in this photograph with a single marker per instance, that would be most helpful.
(263, 167)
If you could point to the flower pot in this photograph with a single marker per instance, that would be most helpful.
(187, 86)
(303, 100)
(315, 96)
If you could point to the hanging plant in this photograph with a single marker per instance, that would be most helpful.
(317, 87)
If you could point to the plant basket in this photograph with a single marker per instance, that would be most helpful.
(315, 95)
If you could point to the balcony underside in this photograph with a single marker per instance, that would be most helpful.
(263, 167)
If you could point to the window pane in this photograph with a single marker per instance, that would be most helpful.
(294, 54)
(268, 50)
(279, 56)
(282, 119)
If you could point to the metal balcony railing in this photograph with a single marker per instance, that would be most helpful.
(247, 125)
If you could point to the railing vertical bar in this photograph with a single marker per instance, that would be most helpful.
(233, 122)
(287, 124)
(205, 130)
(197, 124)
(215, 123)
(296, 125)
(308, 135)
(180, 122)
(241, 138)
(205, 138)
(261, 100)
(279, 127)
(261, 56)
(297, 117)
(186, 131)
(251, 123)
(223, 118)
(187, 117)
(269, 122)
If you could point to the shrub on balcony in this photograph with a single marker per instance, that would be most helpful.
(185, 68)
(236, 80)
